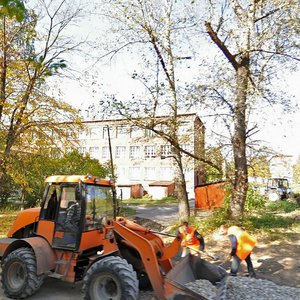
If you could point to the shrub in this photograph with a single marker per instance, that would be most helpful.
(254, 200)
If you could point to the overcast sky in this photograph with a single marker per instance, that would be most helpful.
(281, 131)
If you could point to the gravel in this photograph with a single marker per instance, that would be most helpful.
(249, 288)
(245, 288)
(203, 287)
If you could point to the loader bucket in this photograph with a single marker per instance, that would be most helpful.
(190, 269)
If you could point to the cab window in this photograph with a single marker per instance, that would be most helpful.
(99, 206)
(50, 206)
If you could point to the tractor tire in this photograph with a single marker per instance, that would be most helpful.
(274, 196)
(19, 278)
(111, 278)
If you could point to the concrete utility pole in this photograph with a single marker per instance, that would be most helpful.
(112, 174)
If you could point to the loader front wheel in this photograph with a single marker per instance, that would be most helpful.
(111, 278)
(19, 278)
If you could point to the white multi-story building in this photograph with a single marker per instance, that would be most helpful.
(139, 156)
(281, 166)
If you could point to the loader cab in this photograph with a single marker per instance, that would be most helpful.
(71, 211)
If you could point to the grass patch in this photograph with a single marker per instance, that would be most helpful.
(6, 220)
(126, 211)
(146, 201)
(267, 222)
(282, 206)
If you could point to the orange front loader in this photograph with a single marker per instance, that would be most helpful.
(75, 235)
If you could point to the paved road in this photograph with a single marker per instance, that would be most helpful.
(164, 215)
(54, 289)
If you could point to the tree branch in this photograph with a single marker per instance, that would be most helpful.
(213, 35)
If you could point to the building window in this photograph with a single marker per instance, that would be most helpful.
(82, 150)
(120, 151)
(165, 150)
(121, 131)
(150, 151)
(149, 132)
(184, 128)
(94, 151)
(135, 152)
(187, 173)
(135, 132)
(150, 173)
(166, 173)
(121, 173)
(105, 132)
(134, 173)
(82, 134)
(94, 132)
(104, 152)
(69, 135)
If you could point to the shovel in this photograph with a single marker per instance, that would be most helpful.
(204, 252)
(173, 235)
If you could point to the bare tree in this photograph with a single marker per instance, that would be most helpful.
(156, 30)
(256, 38)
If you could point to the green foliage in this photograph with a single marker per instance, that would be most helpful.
(259, 166)
(75, 163)
(30, 171)
(254, 200)
(214, 154)
(8, 189)
(13, 8)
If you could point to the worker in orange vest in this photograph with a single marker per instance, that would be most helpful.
(192, 241)
(242, 245)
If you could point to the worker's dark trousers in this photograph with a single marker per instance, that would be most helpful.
(235, 265)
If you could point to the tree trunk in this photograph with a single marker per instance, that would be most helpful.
(3, 69)
(240, 185)
(180, 188)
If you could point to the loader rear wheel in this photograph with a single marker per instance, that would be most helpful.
(111, 278)
(274, 196)
(19, 278)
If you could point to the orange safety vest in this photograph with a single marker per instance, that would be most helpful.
(245, 242)
(189, 240)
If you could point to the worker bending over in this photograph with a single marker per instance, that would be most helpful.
(192, 241)
(242, 245)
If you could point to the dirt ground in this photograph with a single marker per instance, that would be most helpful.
(277, 261)
(274, 260)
